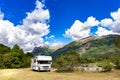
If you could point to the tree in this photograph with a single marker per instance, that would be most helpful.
(27, 59)
(68, 62)
(17, 57)
(18, 52)
(116, 41)
(14, 58)
(106, 66)
(1, 61)
(7, 60)
(4, 49)
(91, 60)
(116, 61)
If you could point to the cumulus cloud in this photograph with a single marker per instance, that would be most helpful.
(35, 22)
(114, 22)
(47, 43)
(30, 33)
(79, 29)
(51, 41)
(116, 15)
(54, 43)
(38, 15)
(103, 31)
(106, 22)
(57, 43)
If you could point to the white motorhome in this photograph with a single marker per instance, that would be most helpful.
(41, 63)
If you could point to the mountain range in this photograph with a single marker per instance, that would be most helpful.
(91, 46)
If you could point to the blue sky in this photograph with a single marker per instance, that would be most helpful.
(31, 23)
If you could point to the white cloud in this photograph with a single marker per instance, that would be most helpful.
(113, 24)
(80, 30)
(35, 22)
(57, 43)
(91, 21)
(34, 43)
(30, 33)
(116, 15)
(38, 15)
(103, 31)
(106, 22)
(49, 37)
(51, 41)
(52, 36)
(47, 43)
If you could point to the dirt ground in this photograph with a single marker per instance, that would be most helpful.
(27, 74)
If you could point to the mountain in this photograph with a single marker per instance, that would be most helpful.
(44, 50)
(92, 47)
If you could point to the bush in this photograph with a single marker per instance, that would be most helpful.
(106, 66)
(67, 62)
(116, 62)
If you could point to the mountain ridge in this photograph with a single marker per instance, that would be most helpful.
(85, 45)
(90, 46)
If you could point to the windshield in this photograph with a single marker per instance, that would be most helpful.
(44, 62)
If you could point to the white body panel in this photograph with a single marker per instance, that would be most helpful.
(41, 63)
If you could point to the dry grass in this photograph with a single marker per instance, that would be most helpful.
(7, 70)
(27, 74)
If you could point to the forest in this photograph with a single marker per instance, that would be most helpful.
(14, 57)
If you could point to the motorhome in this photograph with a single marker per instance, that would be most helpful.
(41, 63)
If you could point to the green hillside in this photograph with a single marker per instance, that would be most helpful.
(92, 47)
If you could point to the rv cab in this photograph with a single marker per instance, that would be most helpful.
(41, 63)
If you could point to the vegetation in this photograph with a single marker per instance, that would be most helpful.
(102, 47)
(104, 50)
(116, 62)
(27, 59)
(106, 66)
(68, 62)
(13, 58)
(71, 46)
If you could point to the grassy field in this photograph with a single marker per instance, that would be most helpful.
(27, 74)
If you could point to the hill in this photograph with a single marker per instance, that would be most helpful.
(45, 50)
(92, 47)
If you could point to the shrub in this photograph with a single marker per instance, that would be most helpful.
(106, 66)
(67, 62)
(117, 63)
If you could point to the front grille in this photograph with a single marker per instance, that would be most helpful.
(46, 67)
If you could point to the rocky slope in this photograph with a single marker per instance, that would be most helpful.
(87, 47)
(91, 47)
